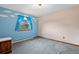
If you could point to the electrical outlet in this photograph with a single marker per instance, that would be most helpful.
(63, 37)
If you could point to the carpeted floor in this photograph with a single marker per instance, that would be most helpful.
(44, 46)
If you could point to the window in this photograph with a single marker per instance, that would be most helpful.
(23, 23)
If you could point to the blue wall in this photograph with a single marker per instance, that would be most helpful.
(8, 20)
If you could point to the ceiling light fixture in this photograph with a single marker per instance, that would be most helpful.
(39, 5)
(39, 2)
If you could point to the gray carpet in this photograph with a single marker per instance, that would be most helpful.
(44, 46)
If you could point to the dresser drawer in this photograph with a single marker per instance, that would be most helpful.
(5, 46)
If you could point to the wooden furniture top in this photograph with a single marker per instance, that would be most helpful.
(5, 39)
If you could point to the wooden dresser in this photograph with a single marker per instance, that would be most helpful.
(5, 45)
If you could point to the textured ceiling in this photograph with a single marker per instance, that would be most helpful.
(35, 10)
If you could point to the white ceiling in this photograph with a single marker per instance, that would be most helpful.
(33, 9)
